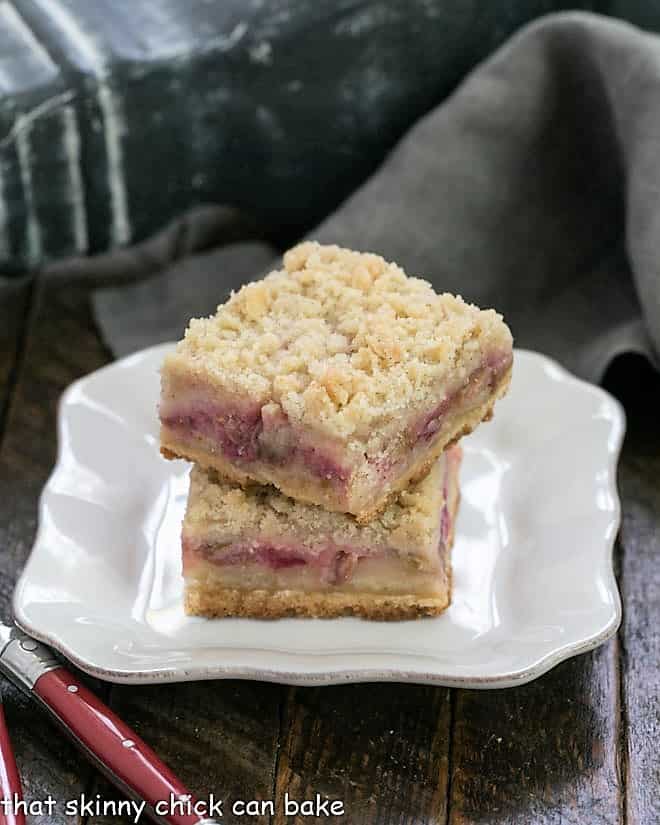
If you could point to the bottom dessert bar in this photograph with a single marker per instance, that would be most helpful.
(254, 552)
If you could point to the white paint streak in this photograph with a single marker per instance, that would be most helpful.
(20, 27)
(4, 228)
(70, 27)
(25, 120)
(227, 42)
(269, 123)
(72, 151)
(366, 20)
(236, 34)
(113, 128)
(24, 160)
(262, 53)
(111, 112)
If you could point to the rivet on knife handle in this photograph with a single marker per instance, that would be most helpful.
(24, 660)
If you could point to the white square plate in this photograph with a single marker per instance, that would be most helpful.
(532, 561)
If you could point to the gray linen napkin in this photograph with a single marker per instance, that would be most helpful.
(535, 188)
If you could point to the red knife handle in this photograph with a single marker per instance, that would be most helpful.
(10, 783)
(124, 758)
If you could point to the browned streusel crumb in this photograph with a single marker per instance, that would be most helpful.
(342, 341)
(221, 507)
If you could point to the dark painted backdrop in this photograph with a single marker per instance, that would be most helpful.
(114, 117)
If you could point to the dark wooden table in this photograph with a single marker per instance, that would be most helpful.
(580, 745)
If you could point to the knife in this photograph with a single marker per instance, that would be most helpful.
(112, 746)
(10, 781)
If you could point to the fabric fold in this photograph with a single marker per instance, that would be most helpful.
(533, 189)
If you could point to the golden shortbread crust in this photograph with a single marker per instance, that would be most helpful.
(263, 604)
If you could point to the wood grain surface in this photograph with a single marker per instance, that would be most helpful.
(638, 386)
(382, 749)
(57, 344)
(542, 753)
(579, 745)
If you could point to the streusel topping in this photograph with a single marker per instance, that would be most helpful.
(217, 507)
(340, 339)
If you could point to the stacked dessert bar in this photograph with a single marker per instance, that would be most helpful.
(321, 407)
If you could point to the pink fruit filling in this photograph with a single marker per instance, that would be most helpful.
(334, 563)
(257, 434)
(451, 471)
(482, 381)
(236, 434)
(252, 436)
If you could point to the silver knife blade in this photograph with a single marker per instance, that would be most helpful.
(23, 659)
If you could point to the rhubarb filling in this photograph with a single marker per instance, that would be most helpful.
(480, 386)
(251, 435)
(261, 437)
(306, 564)
(290, 565)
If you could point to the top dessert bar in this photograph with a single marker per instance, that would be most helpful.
(338, 379)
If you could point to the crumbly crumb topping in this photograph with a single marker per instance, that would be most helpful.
(339, 339)
(218, 508)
